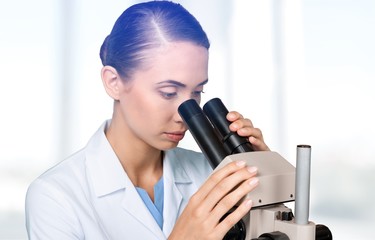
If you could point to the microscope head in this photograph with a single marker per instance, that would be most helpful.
(210, 129)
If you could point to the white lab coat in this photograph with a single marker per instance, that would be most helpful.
(89, 195)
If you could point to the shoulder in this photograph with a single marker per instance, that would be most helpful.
(66, 171)
(58, 182)
(71, 173)
(51, 196)
(60, 186)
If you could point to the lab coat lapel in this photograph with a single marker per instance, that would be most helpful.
(133, 204)
(176, 183)
(172, 205)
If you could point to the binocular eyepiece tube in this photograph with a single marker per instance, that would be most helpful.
(217, 112)
(202, 131)
(210, 129)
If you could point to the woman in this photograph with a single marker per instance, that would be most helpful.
(131, 181)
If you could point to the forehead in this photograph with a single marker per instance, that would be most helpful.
(180, 61)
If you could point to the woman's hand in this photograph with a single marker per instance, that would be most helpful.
(244, 127)
(202, 217)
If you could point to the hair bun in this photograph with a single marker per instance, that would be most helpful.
(103, 51)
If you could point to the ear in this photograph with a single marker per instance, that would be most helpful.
(112, 81)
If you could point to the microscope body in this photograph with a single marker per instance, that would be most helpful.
(279, 181)
(269, 215)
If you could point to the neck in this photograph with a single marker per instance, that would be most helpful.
(142, 163)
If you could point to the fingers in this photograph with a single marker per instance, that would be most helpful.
(216, 177)
(258, 144)
(232, 198)
(231, 189)
(244, 127)
(226, 193)
(203, 216)
(255, 138)
(227, 180)
(238, 121)
(234, 217)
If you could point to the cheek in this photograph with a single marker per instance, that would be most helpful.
(141, 110)
(150, 112)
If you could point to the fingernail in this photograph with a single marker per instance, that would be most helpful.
(248, 203)
(252, 169)
(254, 181)
(240, 163)
(231, 115)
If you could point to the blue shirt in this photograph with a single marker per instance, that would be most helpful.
(156, 209)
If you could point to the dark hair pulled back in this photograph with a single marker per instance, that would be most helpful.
(145, 26)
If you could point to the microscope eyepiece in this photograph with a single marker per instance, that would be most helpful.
(217, 114)
(202, 131)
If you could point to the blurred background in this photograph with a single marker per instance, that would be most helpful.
(302, 70)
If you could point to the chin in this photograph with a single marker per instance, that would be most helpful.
(168, 146)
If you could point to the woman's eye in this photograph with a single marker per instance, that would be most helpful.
(168, 95)
(197, 93)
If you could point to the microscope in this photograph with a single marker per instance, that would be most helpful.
(279, 181)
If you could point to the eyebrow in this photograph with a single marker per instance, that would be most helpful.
(179, 84)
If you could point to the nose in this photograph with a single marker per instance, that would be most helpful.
(177, 116)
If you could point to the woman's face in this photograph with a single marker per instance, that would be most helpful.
(149, 102)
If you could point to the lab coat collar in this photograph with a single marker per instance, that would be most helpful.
(106, 172)
(108, 176)
(175, 171)
(173, 174)
(133, 204)
(103, 164)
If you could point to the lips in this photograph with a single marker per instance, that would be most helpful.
(175, 136)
